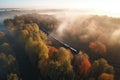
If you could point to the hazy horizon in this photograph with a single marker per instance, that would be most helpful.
(105, 7)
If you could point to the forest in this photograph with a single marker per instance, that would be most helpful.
(27, 52)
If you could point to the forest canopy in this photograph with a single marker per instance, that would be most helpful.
(47, 61)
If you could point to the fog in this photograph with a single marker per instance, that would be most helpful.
(89, 27)
(9, 13)
(80, 30)
(96, 35)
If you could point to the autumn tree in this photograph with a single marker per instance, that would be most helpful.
(58, 71)
(59, 67)
(97, 47)
(1, 34)
(6, 48)
(106, 76)
(2, 37)
(37, 50)
(9, 23)
(7, 63)
(82, 64)
(101, 66)
(18, 21)
(62, 55)
(52, 51)
(13, 76)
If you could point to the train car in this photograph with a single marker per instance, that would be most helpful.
(60, 43)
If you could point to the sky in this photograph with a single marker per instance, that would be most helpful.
(107, 6)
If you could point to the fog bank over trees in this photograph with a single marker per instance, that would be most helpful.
(95, 37)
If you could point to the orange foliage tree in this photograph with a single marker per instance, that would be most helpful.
(106, 76)
(97, 47)
(52, 50)
(82, 63)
